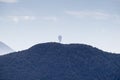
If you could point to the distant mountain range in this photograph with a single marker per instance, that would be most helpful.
(4, 49)
(55, 61)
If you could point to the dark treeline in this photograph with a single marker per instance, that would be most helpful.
(55, 61)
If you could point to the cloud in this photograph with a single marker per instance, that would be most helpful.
(49, 18)
(17, 19)
(89, 14)
(21, 18)
(8, 1)
(96, 15)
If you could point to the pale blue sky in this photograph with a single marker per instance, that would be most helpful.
(24, 23)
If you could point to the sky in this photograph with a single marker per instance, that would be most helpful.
(24, 23)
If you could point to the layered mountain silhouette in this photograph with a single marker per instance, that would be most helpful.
(4, 49)
(55, 61)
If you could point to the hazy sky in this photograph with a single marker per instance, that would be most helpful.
(24, 23)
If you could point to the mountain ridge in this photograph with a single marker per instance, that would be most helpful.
(4, 49)
(56, 61)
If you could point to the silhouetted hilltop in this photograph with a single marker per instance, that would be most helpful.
(55, 61)
(4, 49)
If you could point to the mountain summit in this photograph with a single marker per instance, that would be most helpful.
(55, 61)
(4, 49)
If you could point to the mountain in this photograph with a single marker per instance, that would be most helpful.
(4, 49)
(55, 61)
